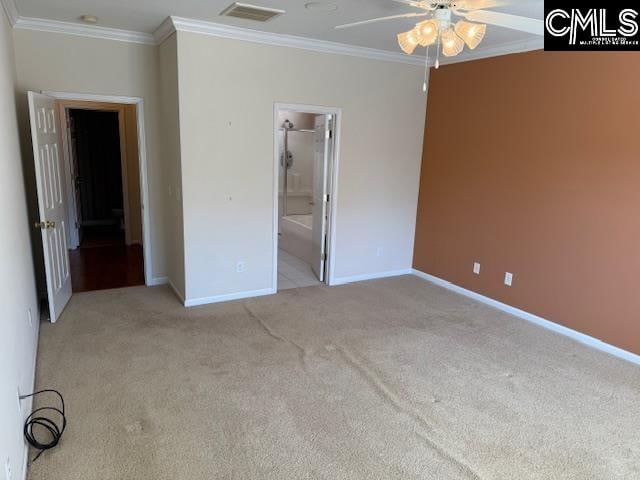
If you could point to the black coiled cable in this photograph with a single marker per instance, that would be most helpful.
(52, 427)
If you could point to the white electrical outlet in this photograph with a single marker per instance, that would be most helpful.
(476, 268)
(241, 266)
(7, 469)
(379, 252)
(508, 278)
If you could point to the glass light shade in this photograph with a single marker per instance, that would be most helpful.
(427, 32)
(452, 44)
(408, 41)
(471, 33)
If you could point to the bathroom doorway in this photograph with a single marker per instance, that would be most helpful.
(306, 151)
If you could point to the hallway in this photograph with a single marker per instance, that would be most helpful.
(103, 261)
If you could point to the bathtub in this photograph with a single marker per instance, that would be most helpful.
(295, 235)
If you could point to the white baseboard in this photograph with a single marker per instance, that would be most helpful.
(29, 407)
(158, 281)
(575, 335)
(371, 276)
(192, 302)
(25, 462)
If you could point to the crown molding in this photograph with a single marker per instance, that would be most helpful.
(519, 46)
(10, 9)
(173, 24)
(164, 31)
(92, 31)
(282, 40)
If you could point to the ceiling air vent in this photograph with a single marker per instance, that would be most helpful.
(251, 12)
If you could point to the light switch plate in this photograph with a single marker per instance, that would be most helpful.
(476, 268)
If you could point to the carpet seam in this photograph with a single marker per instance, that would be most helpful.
(302, 353)
(392, 398)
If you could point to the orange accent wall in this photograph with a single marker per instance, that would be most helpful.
(531, 165)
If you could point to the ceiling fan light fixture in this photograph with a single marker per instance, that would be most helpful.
(408, 41)
(427, 32)
(452, 44)
(471, 33)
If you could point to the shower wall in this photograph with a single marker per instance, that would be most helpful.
(300, 181)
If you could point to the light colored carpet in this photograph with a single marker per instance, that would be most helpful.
(388, 379)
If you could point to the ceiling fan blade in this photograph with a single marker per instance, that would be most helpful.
(515, 22)
(481, 4)
(416, 4)
(381, 19)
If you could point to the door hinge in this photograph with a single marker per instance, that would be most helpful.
(328, 134)
(324, 256)
(327, 198)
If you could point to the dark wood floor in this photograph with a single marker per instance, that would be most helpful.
(103, 262)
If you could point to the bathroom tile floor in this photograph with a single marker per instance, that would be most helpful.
(294, 272)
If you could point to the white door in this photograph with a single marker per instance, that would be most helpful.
(322, 137)
(51, 205)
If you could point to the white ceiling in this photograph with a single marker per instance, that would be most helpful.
(147, 15)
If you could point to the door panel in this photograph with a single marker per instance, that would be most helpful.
(51, 204)
(320, 169)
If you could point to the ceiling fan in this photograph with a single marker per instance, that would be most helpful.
(438, 26)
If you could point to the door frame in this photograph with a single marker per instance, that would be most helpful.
(332, 190)
(142, 163)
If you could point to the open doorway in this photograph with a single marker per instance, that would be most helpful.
(105, 221)
(305, 154)
(68, 154)
(100, 142)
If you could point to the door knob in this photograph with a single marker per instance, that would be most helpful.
(44, 225)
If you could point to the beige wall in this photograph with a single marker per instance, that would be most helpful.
(222, 161)
(58, 62)
(531, 167)
(18, 339)
(299, 119)
(227, 93)
(169, 93)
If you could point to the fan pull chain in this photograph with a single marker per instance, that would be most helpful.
(437, 64)
(426, 71)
